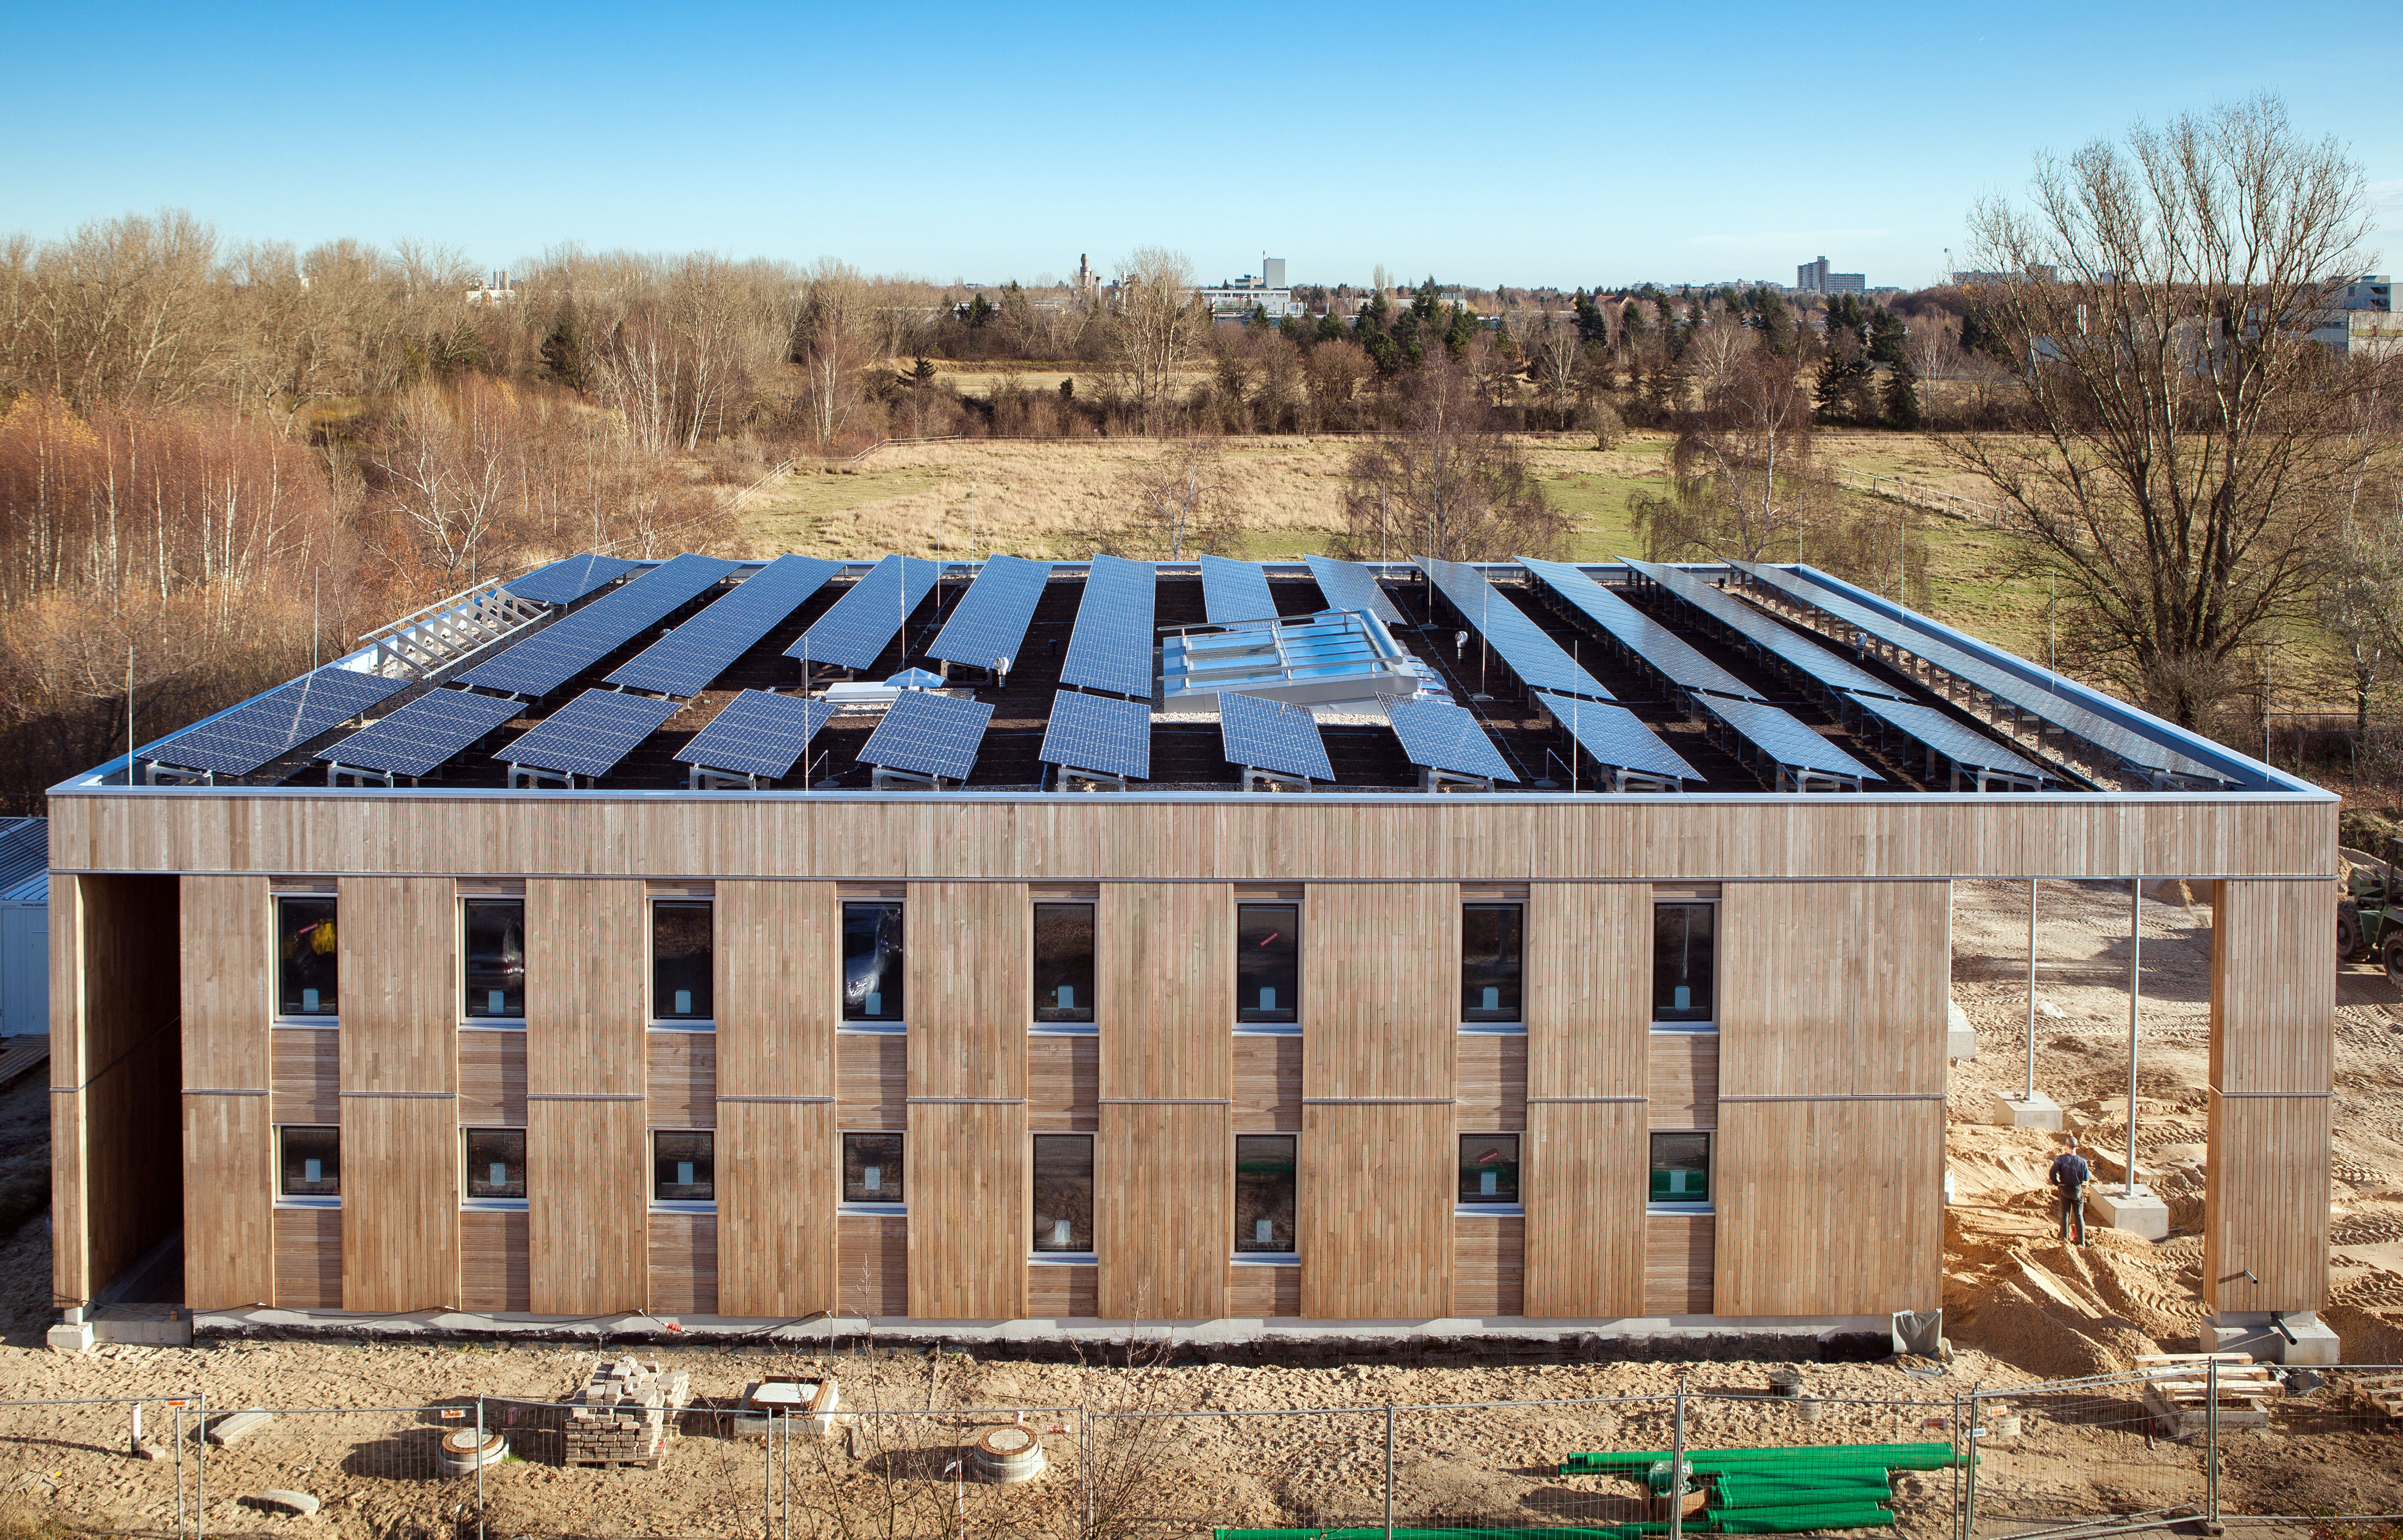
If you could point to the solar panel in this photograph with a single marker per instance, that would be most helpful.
(1667, 654)
(1783, 739)
(929, 734)
(757, 734)
(1269, 735)
(1783, 642)
(1540, 662)
(1350, 585)
(852, 634)
(1441, 736)
(420, 736)
(553, 656)
(1093, 732)
(570, 578)
(1235, 591)
(1963, 746)
(686, 659)
(1618, 738)
(590, 734)
(268, 727)
(990, 625)
(1111, 649)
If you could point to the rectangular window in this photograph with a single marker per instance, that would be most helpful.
(872, 963)
(496, 958)
(683, 1168)
(1681, 1168)
(1063, 1192)
(871, 1168)
(1063, 961)
(1268, 963)
(1489, 1168)
(305, 957)
(681, 961)
(497, 1163)
(311, 1162)
(1264, 1192)
(1490, 942)
(1684, 961)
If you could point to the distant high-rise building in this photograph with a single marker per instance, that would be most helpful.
(1814, 278)
(1272, 271)
(1266, 293)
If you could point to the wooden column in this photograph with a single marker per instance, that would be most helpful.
(396, 939)
(227, 987)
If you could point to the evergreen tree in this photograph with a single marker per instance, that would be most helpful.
(563, 349)
(1330, 327)
(1457, 334)
(1887, 334)
(1842, 373)
(1591, 324)
(1067, 387)
(1902, 399)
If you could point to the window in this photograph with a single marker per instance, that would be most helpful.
(1264, 1192)
(1491, 941)
(311, 1162)
(683, 1168)
(871, 1168)
(872, 963)
(496, 958)
(1268, 963)
(1489, 1168)
(497, 1167)
(1684, 961)
(306, 961)
(680, 961)
(1063, 961)
(1063, 1192)
(1681, 1168)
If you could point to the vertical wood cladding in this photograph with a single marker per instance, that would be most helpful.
(70, 1110)
(1268, 1084)
(1380, 989)
(1490, 1265)
(1376, 1201)
(1493, 1082)
(1164, 977)
(776, 1208)
(229, 1147)
(970, 958)
(396, 942)
(308, 1258)
(307, 1065)
(228, 1202)
(1589, 989)
(493, 1270)
(967, 1194)
(1829, 1207)
(588, 950)
(1833, 988)
(400, 1205)
(1685, 1079)
(227, 982)
(1585, 1167)
(873, 1266)
(873, 1085)
(492, 1078)
(587, 1201)
(1677, 1264)
(683, 1079)
(779, 986)
(1063, 1083)
(1164, 1209)
(684, 1263)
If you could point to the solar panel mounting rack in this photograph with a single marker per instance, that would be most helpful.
(570, 578)
(419, 738)
(1096, 738)
(588, 736)
(853, 633)
(1540, 662)
(1797, 759)
(989, 627)
(1621, 742)
(1111, 646)
(268, 727)
(1447, 745)
(758, 736)
(1274, 742)
(1350, 585)
(565, 648)
(689, 658)
(1235, 591)
(925, 740)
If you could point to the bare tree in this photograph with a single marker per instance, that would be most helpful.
(1158, 331)
(449, 473)
(1743, 461)
(1448, 484)
(1171, 507)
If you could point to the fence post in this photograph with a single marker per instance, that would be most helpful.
(1969, 1486)
(178, 1410)
(1085, 1464)
(479, 1467)
(767, 1479)
(201, 1480)
(2211, 1523)
(1677, 1467)
(1957, 1465)
(1389, 1470)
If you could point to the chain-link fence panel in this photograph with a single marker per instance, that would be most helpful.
(360, 1471)
(2116, 1451)
(120, 1463)
(2324, 1443)
(1161, 1471)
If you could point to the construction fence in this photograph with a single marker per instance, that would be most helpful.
(2206, 1442)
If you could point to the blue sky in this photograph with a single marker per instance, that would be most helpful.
(1521, 145)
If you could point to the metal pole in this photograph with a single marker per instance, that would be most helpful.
(2136, 958)
(2211, 1427)
(1085, 1463)
(479, 1469)
(1389, 1471)
(1969, 1483)
(1677, 1467)
(2031, 1041)
(179, 1470)
(200, 1475)
(767, 1479)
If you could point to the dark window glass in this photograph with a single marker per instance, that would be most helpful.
(1264, 1189)
(871, 1168)
(1063, 961)
(1268, 963)
(1489, 1168)
(1063, 1192)
(1681, 1168)
(305, 956)
(680, 962)
(497, 1162)
(1683, 962)
(496, 957)
(1490, 946)
(871, 961)
(683, 1167)
(312, 1162)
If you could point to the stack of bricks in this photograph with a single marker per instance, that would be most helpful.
(623, 1414)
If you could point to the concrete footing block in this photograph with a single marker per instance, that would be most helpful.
(282, 1499)
(1960, 1038)
(2315, 1346)
(73, 1336)
(239, 1424)
(2034, 1111)
(2137, 1212)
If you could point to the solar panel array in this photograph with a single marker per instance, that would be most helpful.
(1540, 662)
(686, 660)
(570, 578)
(2131, 748)
(990, 625)
(1350, 585)
(1262, 734)
(1668, 654)
(1784, 738)
(1441, 736)
(1618, 738)
(1111, 647)
(928, 734)
(757, 734)
(1782, 642)
(854, 632)
(1963, 746)
(1093, 732)
(268, 727)
(590, 734)
(1235, 591)
(558, 653)
(423, 735)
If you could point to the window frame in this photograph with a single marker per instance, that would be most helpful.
(681, 1205)
(1035, 1251)
(278, 1015)
(1709, 1020)
(845, 1021)
(659, 1020)
(1496, 1207)
(501, 1205)
(468, 1022)
(1254, 1253)
(1089, 1024)
(307, 1200)
(845, 1204)
(1708, 1203)
(1246, 1019)
(1516, 1023)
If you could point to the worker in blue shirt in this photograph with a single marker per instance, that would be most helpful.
(2070, 1174)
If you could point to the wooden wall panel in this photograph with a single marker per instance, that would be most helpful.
(1063, 1083)
(400, 1203)
(1257, 1292)
(1164, 1209)
(1492, 1081)
(397, 941)
(1678, 1263)
(1268, 1084)
(70, 1110)
(967, 1194)
(1376, 1186)
(1379, 988)
(683, 1087)
(2272, 998)
(1589, 989)
(1059, 1292)
(684, 1264)
(1833, 988)
(587, 992)
(228, 1202)
(874, 1266)
(494, 1268)
(1829, 1207)
(227, 982)
(1489, 1254)
(779, 986)
(1164, 989)
(1685, 1079)
(492, 1078)
(1584, 1172)
(308, 1258)
(306, 1065)
(589, 1194)
(872, 1085)
(776, 1206)
(970, 950)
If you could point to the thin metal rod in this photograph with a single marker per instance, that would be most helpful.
(2211, 1423)
(2031, 1038)
(1970, 1481)
(1389, 1471)
(2136, 961)
(1677, 1468)
(479, 1469)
